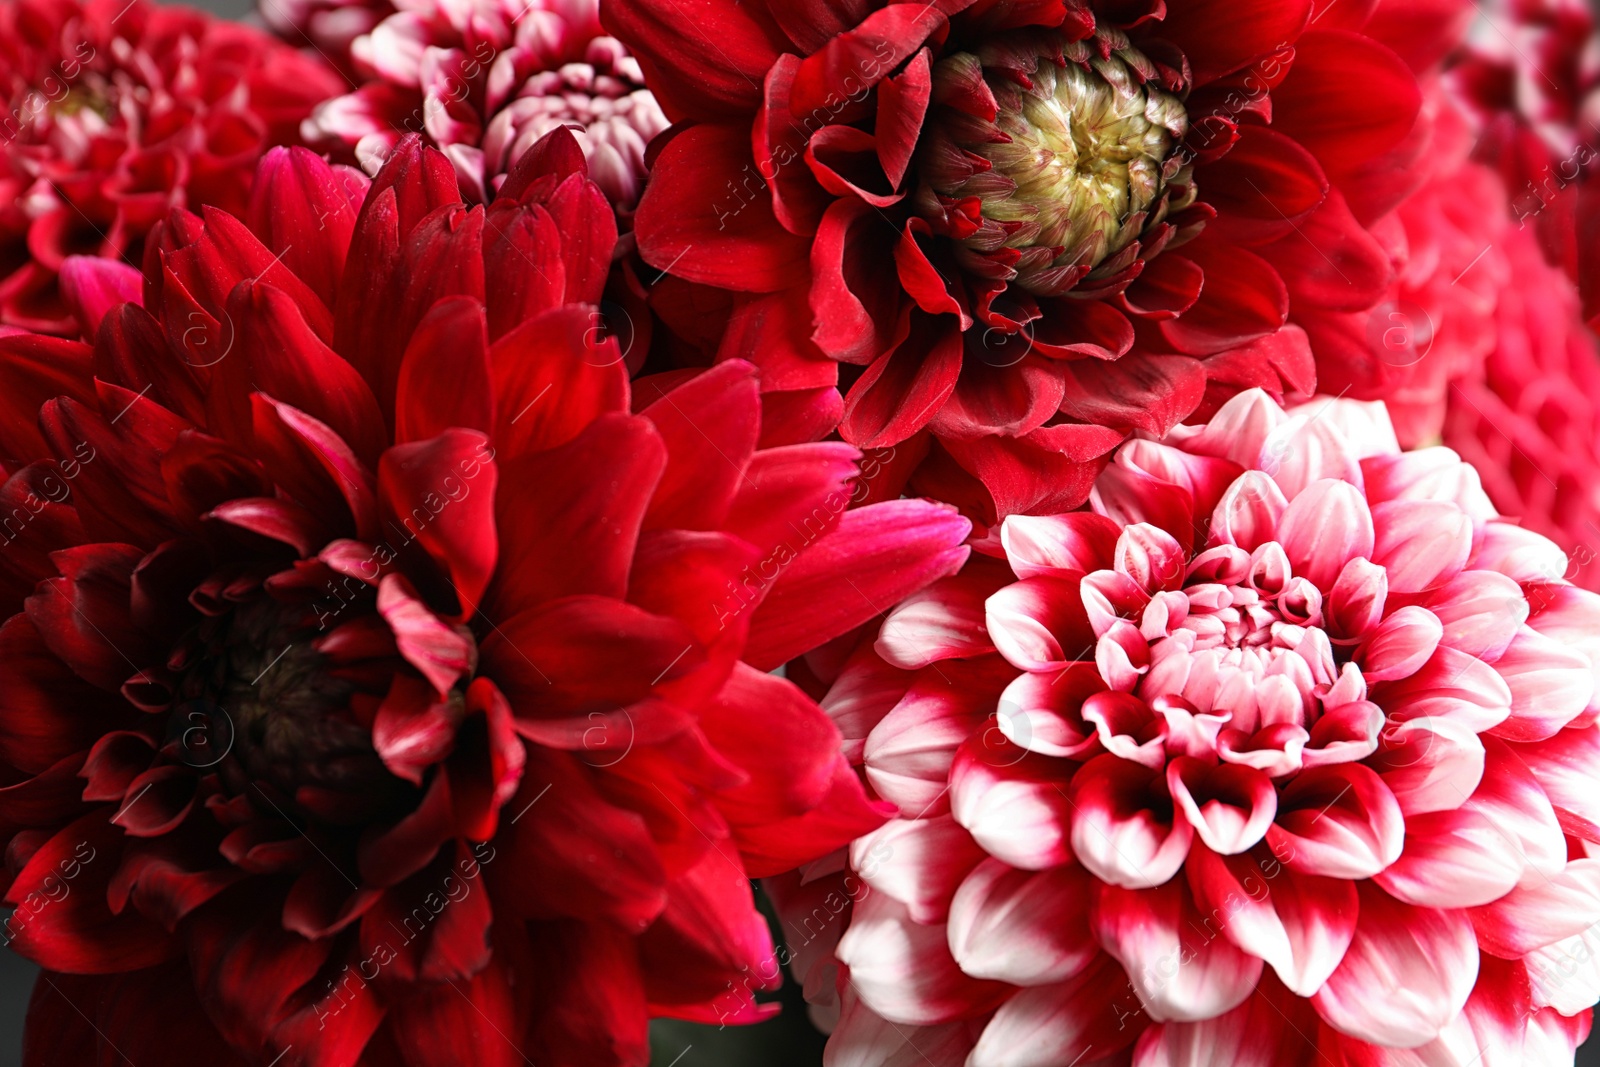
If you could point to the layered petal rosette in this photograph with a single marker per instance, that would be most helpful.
(1281, 753)
(117, 113)
(385, 676)
(485, 80)
(1030, 228)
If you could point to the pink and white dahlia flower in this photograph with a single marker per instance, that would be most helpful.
(485, 80)
(1283, 753)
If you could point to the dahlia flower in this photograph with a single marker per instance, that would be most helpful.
(385, 675)
(1283, 752)
(327, 27)
(118, 112)
(484, 80)
(1436, 325)
(1532, 75)
(1528, 417)
(1033, 228)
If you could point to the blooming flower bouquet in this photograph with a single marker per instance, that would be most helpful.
(1013, 533)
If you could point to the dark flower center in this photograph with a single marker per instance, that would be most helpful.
(1080, 159)
(260, 704)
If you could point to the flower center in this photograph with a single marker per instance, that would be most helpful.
(261, 705)
(1244, 636)
(1080, 158)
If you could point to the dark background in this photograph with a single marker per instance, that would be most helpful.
(788, 1041)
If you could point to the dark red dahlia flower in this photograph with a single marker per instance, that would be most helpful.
(381, 685)
(117, 113)
(1032, 227)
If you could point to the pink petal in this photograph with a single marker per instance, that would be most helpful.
(944, 621)
(918, 862)
(864, 1038)
(1179, 970)
(1017, 813)
(1422, 544)
(1518, 553)
(1230, 807)
(1118, 830)
(1453, 859)
(1059, 546)
(1324, 528)
(1249, 512)
(1511, 798)
(1427, 474)
(1481, 611)
(1056, 1024)
(1151, 557)
(1406, 975)
(1340, 822)
(1308, 450)
(903, 970)
(1043, 712)
(1538, 915)
(1571, 616)
(1021, 927)
(909, 754)
(1566, 767)
(1401, 645)
(1429, 764)
(1300, 924)
(1268, 1030)
(1040, 623)
(1357, 600)
(1551, 683)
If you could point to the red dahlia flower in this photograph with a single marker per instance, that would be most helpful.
(485, 80)
(1034, 227)
(385, 689)
(117, 113)
(1282, 754)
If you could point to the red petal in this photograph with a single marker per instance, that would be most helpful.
(440, 494)
(1348, 99)
(1219, 37)
(305, 211)
(444, 375)
(903, 391)
(553, 376)
(710, 425)
(91, 287)
(572, 852)
(690, 225)
(550, 549)
(1149, 393)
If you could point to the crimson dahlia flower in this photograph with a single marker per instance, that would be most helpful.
(1283, 753)
(1032, 228)
(118, 112)
(485, 80)
(385, 676)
